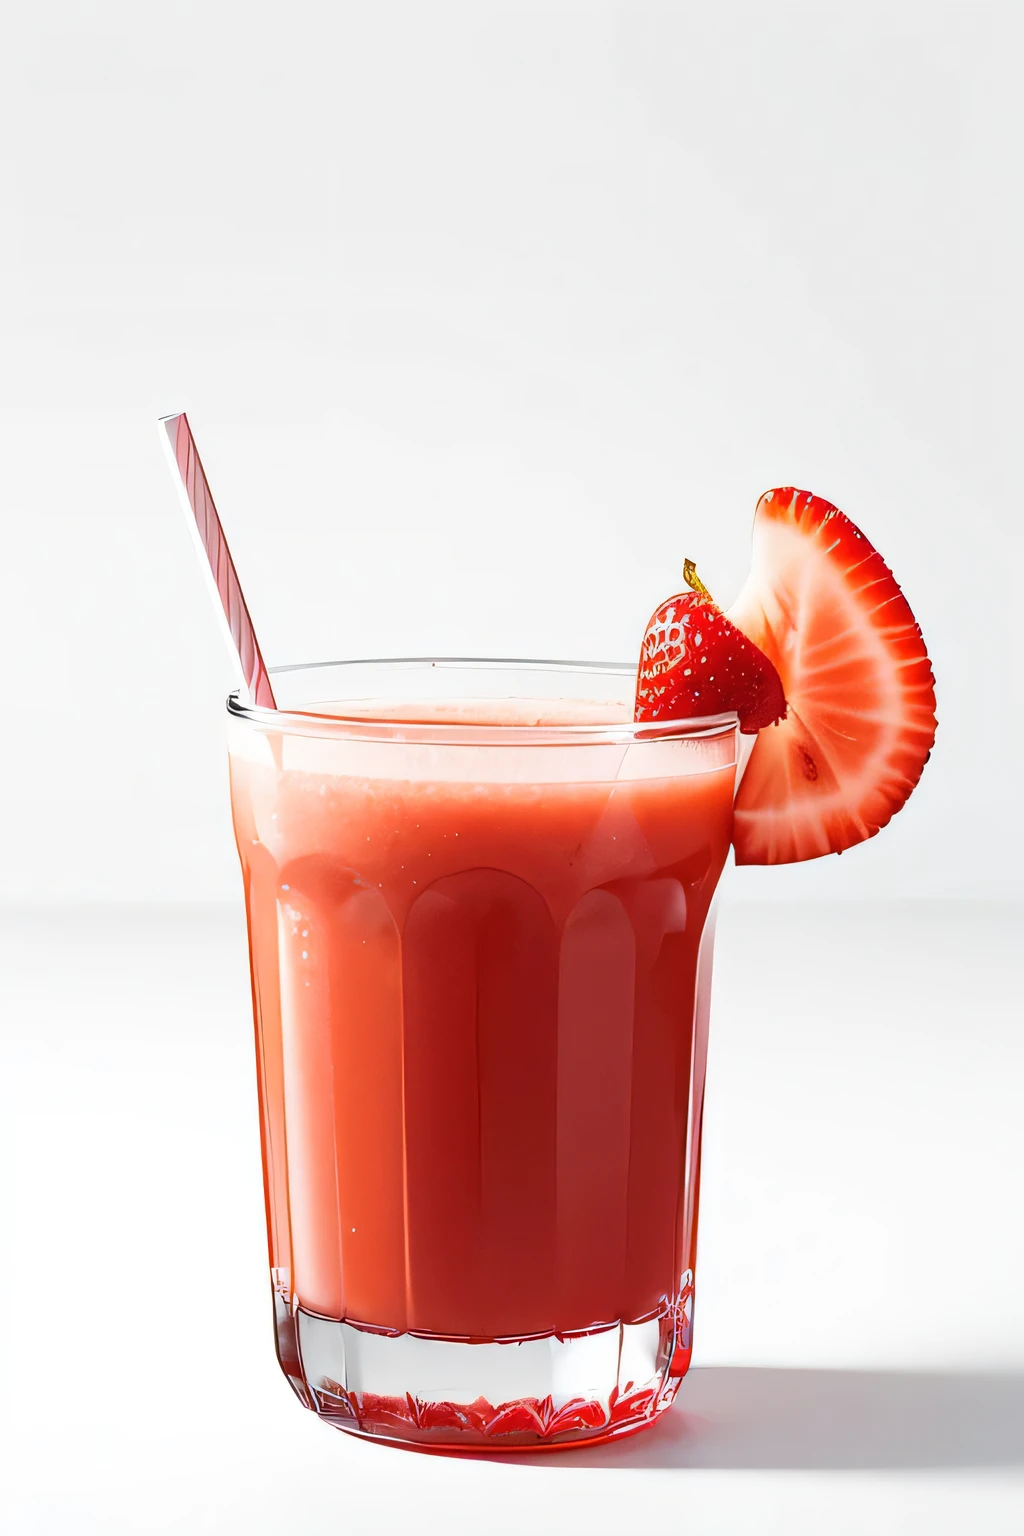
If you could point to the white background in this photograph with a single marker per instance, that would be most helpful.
(486, 314)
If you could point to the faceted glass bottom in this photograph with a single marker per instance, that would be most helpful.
(514, 1394)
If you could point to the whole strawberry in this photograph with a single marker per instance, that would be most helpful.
(694, 661)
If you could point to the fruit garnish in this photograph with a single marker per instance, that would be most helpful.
(694, 661)
(823, 605)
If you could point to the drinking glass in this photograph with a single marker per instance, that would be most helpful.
(480, 911)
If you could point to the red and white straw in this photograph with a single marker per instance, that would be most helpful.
(212, 545)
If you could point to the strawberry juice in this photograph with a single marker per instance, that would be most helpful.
(480, 941)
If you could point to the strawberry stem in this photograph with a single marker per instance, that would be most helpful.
(693, 581)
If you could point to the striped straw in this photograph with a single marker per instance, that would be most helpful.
(215, 557)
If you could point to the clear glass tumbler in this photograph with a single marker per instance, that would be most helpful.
(480, 923)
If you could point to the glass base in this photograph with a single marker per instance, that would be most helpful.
(509, 1395)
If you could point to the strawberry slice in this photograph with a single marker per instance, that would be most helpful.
(694, 662)
(823, 605)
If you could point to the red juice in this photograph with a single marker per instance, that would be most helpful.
(476, 931)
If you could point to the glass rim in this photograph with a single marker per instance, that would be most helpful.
(309, 721)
